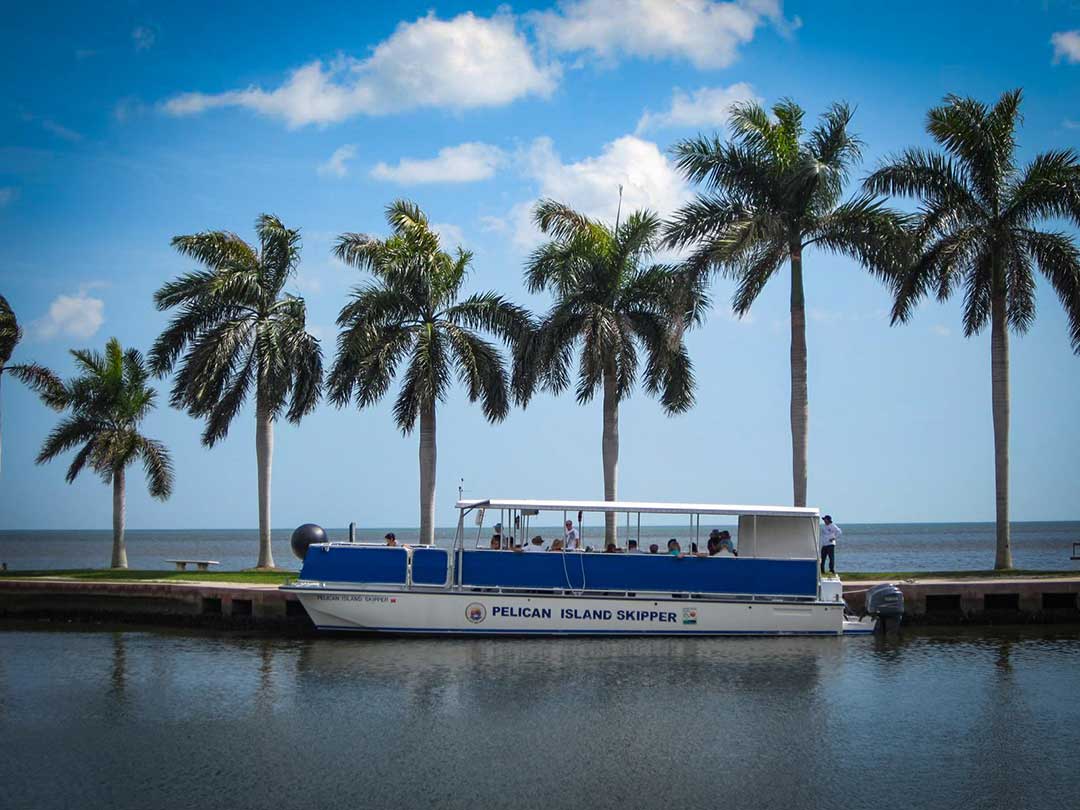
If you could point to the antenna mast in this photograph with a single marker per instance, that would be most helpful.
(618, 211)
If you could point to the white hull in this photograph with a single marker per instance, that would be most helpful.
(472, 613)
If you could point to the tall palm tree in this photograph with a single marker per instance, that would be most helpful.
(107, 402)
(773, 193)
(613, 303)
(37, 377)
(977, 229)
(238, 330)
(411, 313)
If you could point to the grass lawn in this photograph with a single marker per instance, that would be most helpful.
(251, 577)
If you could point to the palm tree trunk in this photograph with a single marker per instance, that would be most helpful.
(1, 417)
(119, 515)
(999, 377)
(611, 453)
(264, 456)
(799, 404)
(427, 474)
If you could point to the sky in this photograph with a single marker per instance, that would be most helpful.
(125, 125)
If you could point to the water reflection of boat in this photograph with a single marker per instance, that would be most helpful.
(772, 586)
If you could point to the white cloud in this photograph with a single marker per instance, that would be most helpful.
(591, 185)
(450, 236)
(1068, 123)
(143, 36)
(706, 33)
(128, 108)
(941, 331)
(464, 163)
(78, 315)
(1066, 46)
(705, 107)
(8, 194)
(335, 166)
(455, 64)
(60, 131)
(490, 224)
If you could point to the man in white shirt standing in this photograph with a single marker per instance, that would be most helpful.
(829, 532)
(571, 541)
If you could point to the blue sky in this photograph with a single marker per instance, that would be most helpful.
(124, 126)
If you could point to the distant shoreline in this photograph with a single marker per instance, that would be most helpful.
(399, 527)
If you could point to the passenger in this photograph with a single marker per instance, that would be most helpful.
(571, 541)
(654, 549)
(611, 549)
(673, 548)
(632, 547)
(556, 545)
(496, 543)
(497, 536)
(390, 538)
(720, 544)
(537, 544)
(727, 544)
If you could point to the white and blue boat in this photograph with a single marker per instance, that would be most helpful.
(773, 586)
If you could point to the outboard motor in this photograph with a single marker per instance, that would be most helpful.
(886, 603)
(304, 536)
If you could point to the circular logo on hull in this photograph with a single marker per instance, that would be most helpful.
(475, 612)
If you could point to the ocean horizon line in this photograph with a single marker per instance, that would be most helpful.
(401, 527)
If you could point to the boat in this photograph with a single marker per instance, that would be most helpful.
(772, 587)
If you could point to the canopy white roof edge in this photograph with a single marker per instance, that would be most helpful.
(640, 506)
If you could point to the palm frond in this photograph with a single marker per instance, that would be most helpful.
(1058, 259)
(158, 467)
(10, 332)
(41, 381)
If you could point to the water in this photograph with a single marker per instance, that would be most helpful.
(178, 720)
(863, 547)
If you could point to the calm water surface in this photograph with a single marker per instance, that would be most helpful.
(864, 547)
(174, 719)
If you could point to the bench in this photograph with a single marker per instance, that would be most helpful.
(202, 565)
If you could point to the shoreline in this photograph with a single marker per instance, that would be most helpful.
(263, 607)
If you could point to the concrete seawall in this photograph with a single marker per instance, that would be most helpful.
(994, 601)
(265, 607)
(188, 603)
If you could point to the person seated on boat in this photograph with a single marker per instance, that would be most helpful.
(556, 544)
(611, 549)
(727, 545)
(654, 549)
(497, 535)
(390, 538)
(632, 547)
(536, 544)
(496, 543)
(673, 548)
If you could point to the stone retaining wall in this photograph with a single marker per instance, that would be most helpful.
(266, 607)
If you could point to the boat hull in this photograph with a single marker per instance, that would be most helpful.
(492, 614)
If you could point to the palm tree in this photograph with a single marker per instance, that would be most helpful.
(977, 229)
(772, 193)
(614, 303)
(411, 313)
(240, 330)
(37, 377)
(107, 402)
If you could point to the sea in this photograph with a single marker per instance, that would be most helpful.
(885, 547)
(100, 717)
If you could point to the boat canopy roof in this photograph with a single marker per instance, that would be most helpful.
(642, 507)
